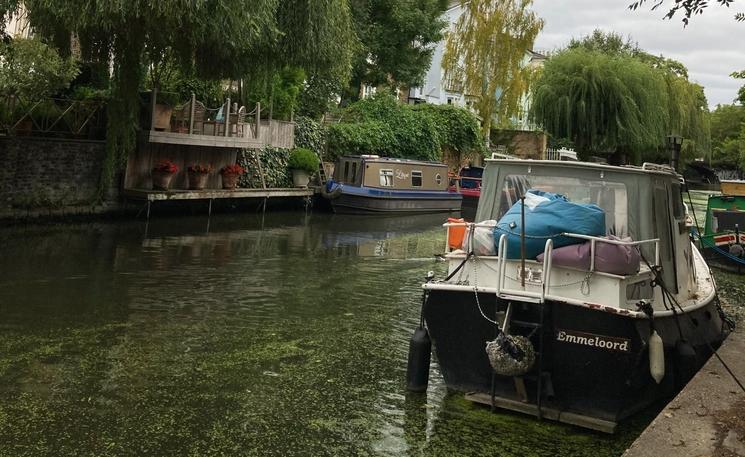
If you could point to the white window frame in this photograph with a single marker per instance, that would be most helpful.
(386, 177)
(421, 178)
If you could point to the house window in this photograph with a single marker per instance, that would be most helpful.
(416, 179)
(438, 178)
(386, 178)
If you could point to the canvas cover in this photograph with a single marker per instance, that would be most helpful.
(547, 215)
(609, 258)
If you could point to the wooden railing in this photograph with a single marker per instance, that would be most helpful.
(227, 120)
(53, 117)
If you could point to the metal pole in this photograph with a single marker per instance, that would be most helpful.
(191, 115)
(522, 241)
(227, 116)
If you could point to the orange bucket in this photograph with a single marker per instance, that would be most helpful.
(456, 234)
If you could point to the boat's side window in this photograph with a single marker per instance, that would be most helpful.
(416, 179)
(354, 173)
(346, 171)
(386, 178)
(438, 179)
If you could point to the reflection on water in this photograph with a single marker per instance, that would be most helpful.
(281, 334)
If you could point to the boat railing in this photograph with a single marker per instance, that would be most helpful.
(503, 290)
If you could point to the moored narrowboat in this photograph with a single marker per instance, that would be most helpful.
(373, 184)
(579, 297)
(723, 240)
(468, 184)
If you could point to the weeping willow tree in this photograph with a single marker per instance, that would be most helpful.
(658, 100)
(485, 55)
(218, 39)
(606, 104)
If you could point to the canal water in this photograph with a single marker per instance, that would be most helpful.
(278, 334)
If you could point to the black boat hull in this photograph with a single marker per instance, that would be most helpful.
(594, 382)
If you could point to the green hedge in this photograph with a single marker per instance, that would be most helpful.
(381, 125)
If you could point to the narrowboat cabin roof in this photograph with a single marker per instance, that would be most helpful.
(377, 159)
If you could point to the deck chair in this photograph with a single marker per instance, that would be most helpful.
(199, 114)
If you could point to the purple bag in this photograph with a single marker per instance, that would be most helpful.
(609, 258)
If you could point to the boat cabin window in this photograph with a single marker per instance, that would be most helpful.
(438, 179)
(346, 170)
(611, 196)
(354, 172)
(386, 178)
(416, 179)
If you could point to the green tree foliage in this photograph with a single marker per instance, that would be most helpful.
(689, 7)
(621, 91)
(310, 134)
(727, 123)
(458, 130)
(741, 92)
(485, 55)
(219, 39)
(382, 126)
(279, 94)
(32, 70)
(603, 103)
(397, 38)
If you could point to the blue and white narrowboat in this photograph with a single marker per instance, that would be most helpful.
(373, 184)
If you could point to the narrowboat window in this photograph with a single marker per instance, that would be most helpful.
(346, 170)
(354, 172)
(416, 179)
(611, 196)
(438, 178)
(386, 178)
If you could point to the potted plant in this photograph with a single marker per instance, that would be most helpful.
(198, 175)
(230, 175)
(303, 163)
(163, 172)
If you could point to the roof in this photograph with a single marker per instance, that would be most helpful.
(647, 168)
(372, 158)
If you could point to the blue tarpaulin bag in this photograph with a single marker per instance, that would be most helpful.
(547, 215)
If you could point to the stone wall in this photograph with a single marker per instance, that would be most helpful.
(523, 144)
(49, 173)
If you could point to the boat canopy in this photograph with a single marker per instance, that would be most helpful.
(642, 203)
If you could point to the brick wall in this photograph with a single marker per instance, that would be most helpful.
(49, 173)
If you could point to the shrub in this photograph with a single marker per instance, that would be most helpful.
(31, 69)
(381, 125)
(303, 159)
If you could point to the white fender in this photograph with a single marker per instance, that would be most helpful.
(656, 357)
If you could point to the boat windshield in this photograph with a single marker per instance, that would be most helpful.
(611, 196)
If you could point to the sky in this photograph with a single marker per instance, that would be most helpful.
(712, 46)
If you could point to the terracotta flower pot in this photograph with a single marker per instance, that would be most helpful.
(230, 180)
(162, 180)
(198, 181)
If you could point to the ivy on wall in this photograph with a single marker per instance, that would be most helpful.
(273, 163)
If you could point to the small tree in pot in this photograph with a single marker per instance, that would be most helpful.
(303, 163)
